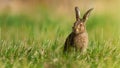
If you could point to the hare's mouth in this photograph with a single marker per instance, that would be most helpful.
(76, 31)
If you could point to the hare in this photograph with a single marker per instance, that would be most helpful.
(78, 39)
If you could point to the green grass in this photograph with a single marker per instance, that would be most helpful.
(31, 43)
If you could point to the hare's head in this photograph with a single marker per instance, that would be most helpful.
(79, 25)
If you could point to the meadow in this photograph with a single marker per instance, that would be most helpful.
(28, 42)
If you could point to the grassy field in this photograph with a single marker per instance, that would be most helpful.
(28, 42)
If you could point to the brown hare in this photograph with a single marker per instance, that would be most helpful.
(78, 39)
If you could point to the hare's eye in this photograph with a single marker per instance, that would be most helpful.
(81, 24)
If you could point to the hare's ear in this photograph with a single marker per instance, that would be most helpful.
(86, 15)
(77, 12)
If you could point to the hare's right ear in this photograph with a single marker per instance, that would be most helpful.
(77, 12)
(86, 15)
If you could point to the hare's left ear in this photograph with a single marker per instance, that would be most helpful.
(86, 15)
(77, 12)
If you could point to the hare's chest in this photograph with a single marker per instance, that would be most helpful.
(81, 41)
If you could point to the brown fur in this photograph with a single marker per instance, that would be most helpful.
(79, 36)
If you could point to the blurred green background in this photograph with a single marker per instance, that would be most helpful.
(17, 15)
(32, 33)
